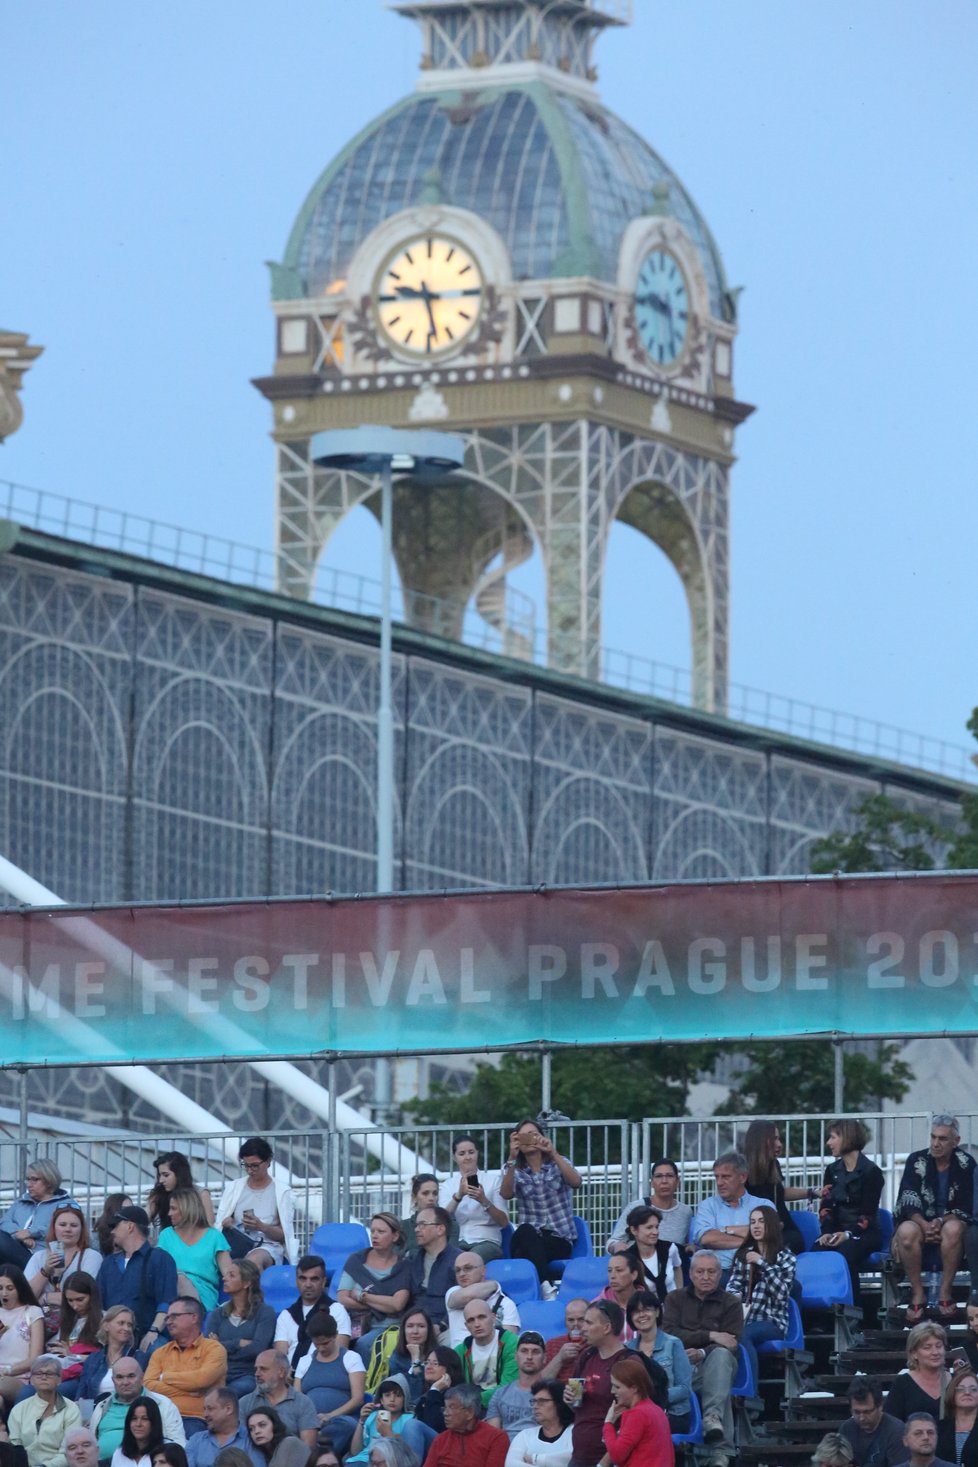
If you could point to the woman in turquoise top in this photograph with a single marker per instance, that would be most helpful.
(199, 1252)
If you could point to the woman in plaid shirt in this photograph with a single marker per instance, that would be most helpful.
(543, 1183)
(761, 1276)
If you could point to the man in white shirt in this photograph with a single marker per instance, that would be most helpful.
(720, 1223)
(291, 1338)
(108, 1419)
(472, 1283)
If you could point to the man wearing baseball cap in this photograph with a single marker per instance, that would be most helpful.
(511, 1407)
(140, 1276)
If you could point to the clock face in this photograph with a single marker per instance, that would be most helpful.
(429, 296)
(662, 306)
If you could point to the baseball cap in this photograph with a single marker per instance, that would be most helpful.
(137, 1215)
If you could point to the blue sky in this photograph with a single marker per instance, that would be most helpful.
(156, 155)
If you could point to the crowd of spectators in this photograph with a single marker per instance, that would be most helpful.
(147, 1341)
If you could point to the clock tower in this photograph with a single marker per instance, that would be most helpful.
(500, 256)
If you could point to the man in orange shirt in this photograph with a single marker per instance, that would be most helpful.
(187, 1368)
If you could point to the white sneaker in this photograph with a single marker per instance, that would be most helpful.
(549, 1290)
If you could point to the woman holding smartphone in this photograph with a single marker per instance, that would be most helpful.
(543, 1183)
(473, 1199)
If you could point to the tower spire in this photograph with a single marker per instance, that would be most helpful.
(469, 38)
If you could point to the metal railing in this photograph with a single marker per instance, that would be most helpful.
(211, 555)
(92, 1168)
(336, 1178)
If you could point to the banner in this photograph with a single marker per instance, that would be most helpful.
(853, 956)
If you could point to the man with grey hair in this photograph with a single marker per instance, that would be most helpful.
(108, 1418)
(467, 1440)
(933, 1208)
(720, 1222)
(80, 1447)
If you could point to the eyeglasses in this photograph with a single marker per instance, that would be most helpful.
(184, 1314)
(45, 1370)
(252, 1166)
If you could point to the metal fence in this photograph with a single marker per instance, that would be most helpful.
(336, 1177)
(93, 1167)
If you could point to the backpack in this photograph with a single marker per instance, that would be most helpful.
(380, 1353)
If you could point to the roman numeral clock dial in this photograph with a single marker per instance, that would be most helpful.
(428, 297)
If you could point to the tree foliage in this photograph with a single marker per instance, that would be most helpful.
(799, 1076)
(586, 1084)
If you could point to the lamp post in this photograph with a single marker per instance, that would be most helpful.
(387, 451)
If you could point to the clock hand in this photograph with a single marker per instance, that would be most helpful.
(656, 302)
(428, 297)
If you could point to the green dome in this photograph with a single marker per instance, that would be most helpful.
(558, 176)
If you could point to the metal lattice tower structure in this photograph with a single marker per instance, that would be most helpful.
(583, 350)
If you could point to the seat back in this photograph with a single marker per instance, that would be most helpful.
(744, 1383)
(694, 1436)
(584, 1277)
(279, 1286)
(808, 1225)
(794, 1337)
(545, 1315)
(583, 1246)
(339, 1237)
(824, 1280)
(875, 1260)
(518, 1277)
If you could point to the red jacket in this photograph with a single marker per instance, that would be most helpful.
(486, 1446)
(639, 1438)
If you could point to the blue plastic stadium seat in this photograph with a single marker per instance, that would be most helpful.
(694, 1436)
(583, 1247)
(335, 1263)
(808, 1225)
(824, 1280)
(793, 1340)
(875, 1260)
(518, 1277)
(279, 1286)
(544, 1315)
(744, 1382)
(339, 1237)
(506, 1239)
(584, 1278)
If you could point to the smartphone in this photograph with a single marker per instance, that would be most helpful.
(472, 1181)
(383, 1416)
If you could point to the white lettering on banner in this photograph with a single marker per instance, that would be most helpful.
(878, 974)
(748, 970)
(806, 959)
(154, 980)
(301, 963)
(425, 980)
(379, 985)
(41, 998)
(468, 993)
(89, 986)
(934, 972)
(339, 980)
(545, 964)
(653, 971)
(198, 985)
(674, 975)
(709, 977)
(252, 991)
(599, 963)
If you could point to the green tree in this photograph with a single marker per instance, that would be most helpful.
(586, 1084)
(886, 838)
(797, 1077)
(963, 852)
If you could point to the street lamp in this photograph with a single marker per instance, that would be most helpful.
(387, 451)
